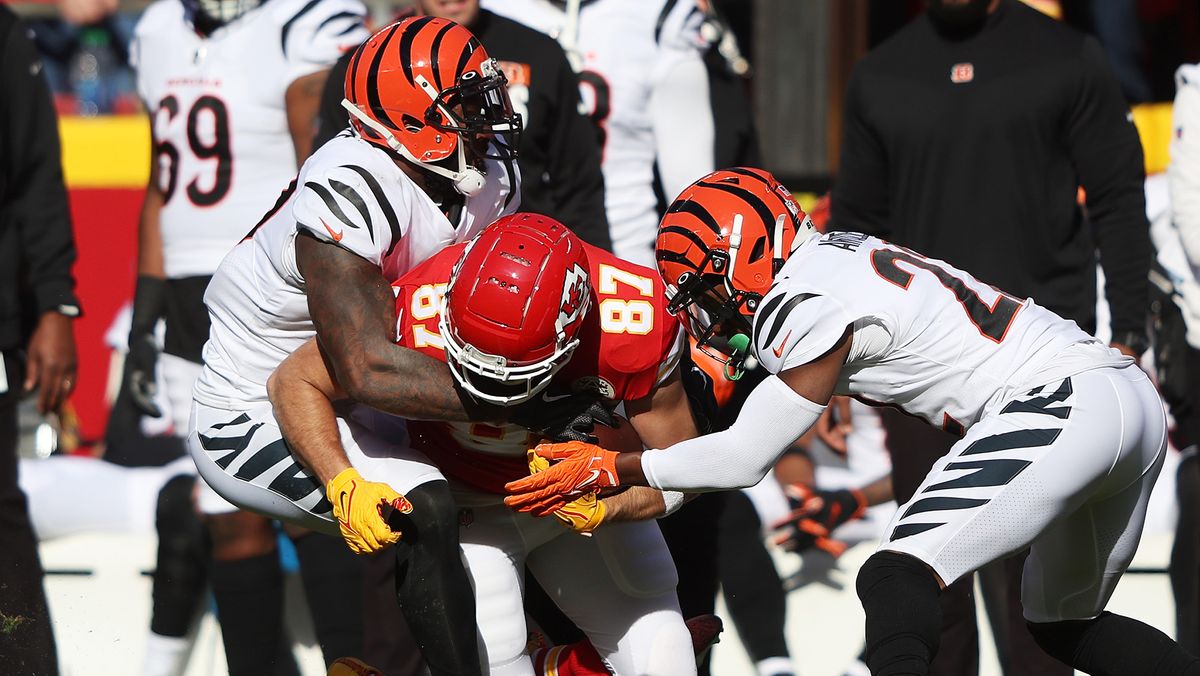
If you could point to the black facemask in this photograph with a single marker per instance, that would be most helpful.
(958, 20)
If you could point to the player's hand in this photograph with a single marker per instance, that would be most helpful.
(140, 365)
(814, 515)
(562, 417)
(362, 508)
(835, 425)
(583, 514)
(575, 468)
(50, 361)
(149, 299)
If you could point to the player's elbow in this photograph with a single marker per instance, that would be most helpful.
(359, 377)
(357, 384)
(273, 388)
(279, 382)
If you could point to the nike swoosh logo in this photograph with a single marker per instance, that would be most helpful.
(595, 474)
(548, 399)
(779, 350)
(337, 236)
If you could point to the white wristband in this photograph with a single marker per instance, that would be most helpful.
(673, 500)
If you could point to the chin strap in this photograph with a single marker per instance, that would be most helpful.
(467, 180)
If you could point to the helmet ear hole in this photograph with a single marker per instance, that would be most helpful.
(411, 124)
(759, 249)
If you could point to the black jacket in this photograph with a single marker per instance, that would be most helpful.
(36, 244)
(559, 152)
(972, 151)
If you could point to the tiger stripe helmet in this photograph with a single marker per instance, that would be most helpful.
(720, 245)
(426, 88)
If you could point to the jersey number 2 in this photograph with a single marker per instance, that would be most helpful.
(218, 150)
(992, 322)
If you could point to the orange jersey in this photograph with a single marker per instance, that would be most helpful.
(627, 345)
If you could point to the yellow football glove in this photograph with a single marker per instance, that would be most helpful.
(582, 515)
(358, 506)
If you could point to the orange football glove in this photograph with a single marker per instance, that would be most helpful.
(815, 514)
(583, 514)
(576, 468)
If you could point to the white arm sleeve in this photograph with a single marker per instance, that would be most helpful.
(1184, 169)
(773, 417)
(681, 113)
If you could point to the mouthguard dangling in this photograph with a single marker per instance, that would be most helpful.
(740, 344)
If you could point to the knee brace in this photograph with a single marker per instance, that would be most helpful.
(181, 571)
(431, 584)
(431, 527)
(904, 618)
(1113, 645)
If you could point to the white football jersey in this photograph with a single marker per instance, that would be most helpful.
(926, 336)
(349, 193)
(625, 49)
(218, 115)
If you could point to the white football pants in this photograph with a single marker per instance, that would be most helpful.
(1065, 468)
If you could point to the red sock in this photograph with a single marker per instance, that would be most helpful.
(575, 659)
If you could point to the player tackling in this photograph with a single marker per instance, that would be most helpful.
(527, 312)
(1062, 437)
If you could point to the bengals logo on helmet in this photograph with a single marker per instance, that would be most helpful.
(575, 296)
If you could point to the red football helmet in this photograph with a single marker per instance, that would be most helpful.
(719, 247)
(514, 306)
(426, 89)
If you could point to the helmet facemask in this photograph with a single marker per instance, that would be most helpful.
(715, 313)
(476, 108)
(496, 379)
(209, 15)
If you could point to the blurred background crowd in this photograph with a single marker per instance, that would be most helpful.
(787, 89)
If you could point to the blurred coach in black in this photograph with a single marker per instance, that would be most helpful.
(559, 154)
(37, 306)
(967, 136)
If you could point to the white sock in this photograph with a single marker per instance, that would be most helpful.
(775, 666)
(165, 655)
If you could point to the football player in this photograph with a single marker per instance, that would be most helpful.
(643, 82)
(232, 88)
(528, 312)
(427, 163)
(1062, 437)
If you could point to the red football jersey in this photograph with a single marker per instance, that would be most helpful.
(627, 345)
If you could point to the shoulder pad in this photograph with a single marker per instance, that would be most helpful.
(795, 326)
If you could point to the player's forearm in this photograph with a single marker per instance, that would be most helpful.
(879, 491)
(150, 246)
(303, 102)
(353, 309)
(684, 134)
(306, 417)
(639, 503)
(411, 385)
(773, 417)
